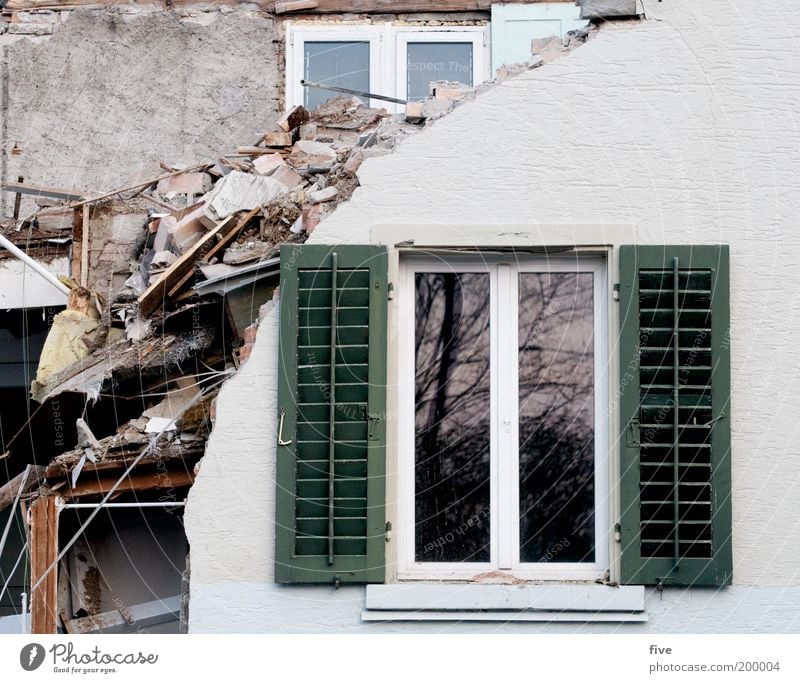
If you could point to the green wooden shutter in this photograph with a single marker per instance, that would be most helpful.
(675, 415)
(331, 415)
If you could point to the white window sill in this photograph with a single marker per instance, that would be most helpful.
(525, 602)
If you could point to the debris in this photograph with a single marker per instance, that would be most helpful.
(286, 175)
(267, 163)
(177, 401)
(277, 139)
(157, 292)
(255, 250)
(239, 191)
(414, 112)
(188, 230)
(191, 184)
(293, 118)
(354, 162)
(156, 425)
(326, 195)
(294, 6)
(72, 337)
(137, 186)
(348, 113)
(85, 435)
(42, 191)
(306, 152)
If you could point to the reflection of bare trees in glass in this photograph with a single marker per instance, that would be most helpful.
(556, 416)
(452, 417)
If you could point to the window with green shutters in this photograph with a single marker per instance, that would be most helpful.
(331, 415)
(675, 415)
(674, 403)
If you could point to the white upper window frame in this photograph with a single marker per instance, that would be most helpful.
(504, 523)
(475, 35)
(388, 53)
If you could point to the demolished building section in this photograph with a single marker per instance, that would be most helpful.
(167, 275)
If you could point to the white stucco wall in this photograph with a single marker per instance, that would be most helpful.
(685, 126)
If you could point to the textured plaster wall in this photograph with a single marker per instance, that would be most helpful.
(685, 125)
(113, 91)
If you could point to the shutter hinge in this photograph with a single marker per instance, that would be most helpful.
(373, 420)
(618, 533)
(616, 291)
(633, 434)
(390, 291)
(388, 536)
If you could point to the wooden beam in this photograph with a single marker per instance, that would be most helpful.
(232, 235)
(296, 6)
(397, 6)
(77, 244)
(44, 550)
(133, 483)
(42, 191)
(18, 199)
(84, 279)
(8, 492)
(155, 294)
(130, 618)
(139, 186)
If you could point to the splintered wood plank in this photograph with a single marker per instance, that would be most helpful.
(44, 550)
(392, 6)
(42, 191)
(232, 235)
(8, 492)
(134, 482)
(156, 294)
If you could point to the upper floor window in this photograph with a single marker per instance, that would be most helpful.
(384, 59)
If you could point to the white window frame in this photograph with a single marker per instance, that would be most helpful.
(297, 34)
(504, 520)
(388, 53)
(475, 35)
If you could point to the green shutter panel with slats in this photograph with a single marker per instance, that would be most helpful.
(675, 486)
(331, 415)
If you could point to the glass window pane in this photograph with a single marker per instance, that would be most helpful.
(452, 417)
(342, 64)
(556, 417)
(437, 62)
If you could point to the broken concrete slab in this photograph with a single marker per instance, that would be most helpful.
(240, 191)
(189, 229)
(163, 238)
(414, 112)
(322, 196)
(176, 401)
(192, 184)
(250, 251)
(265, 164)
(277, 139)
(285, 174)
(436, 109)
(309, 152)
(354, 161)
(163, 258)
